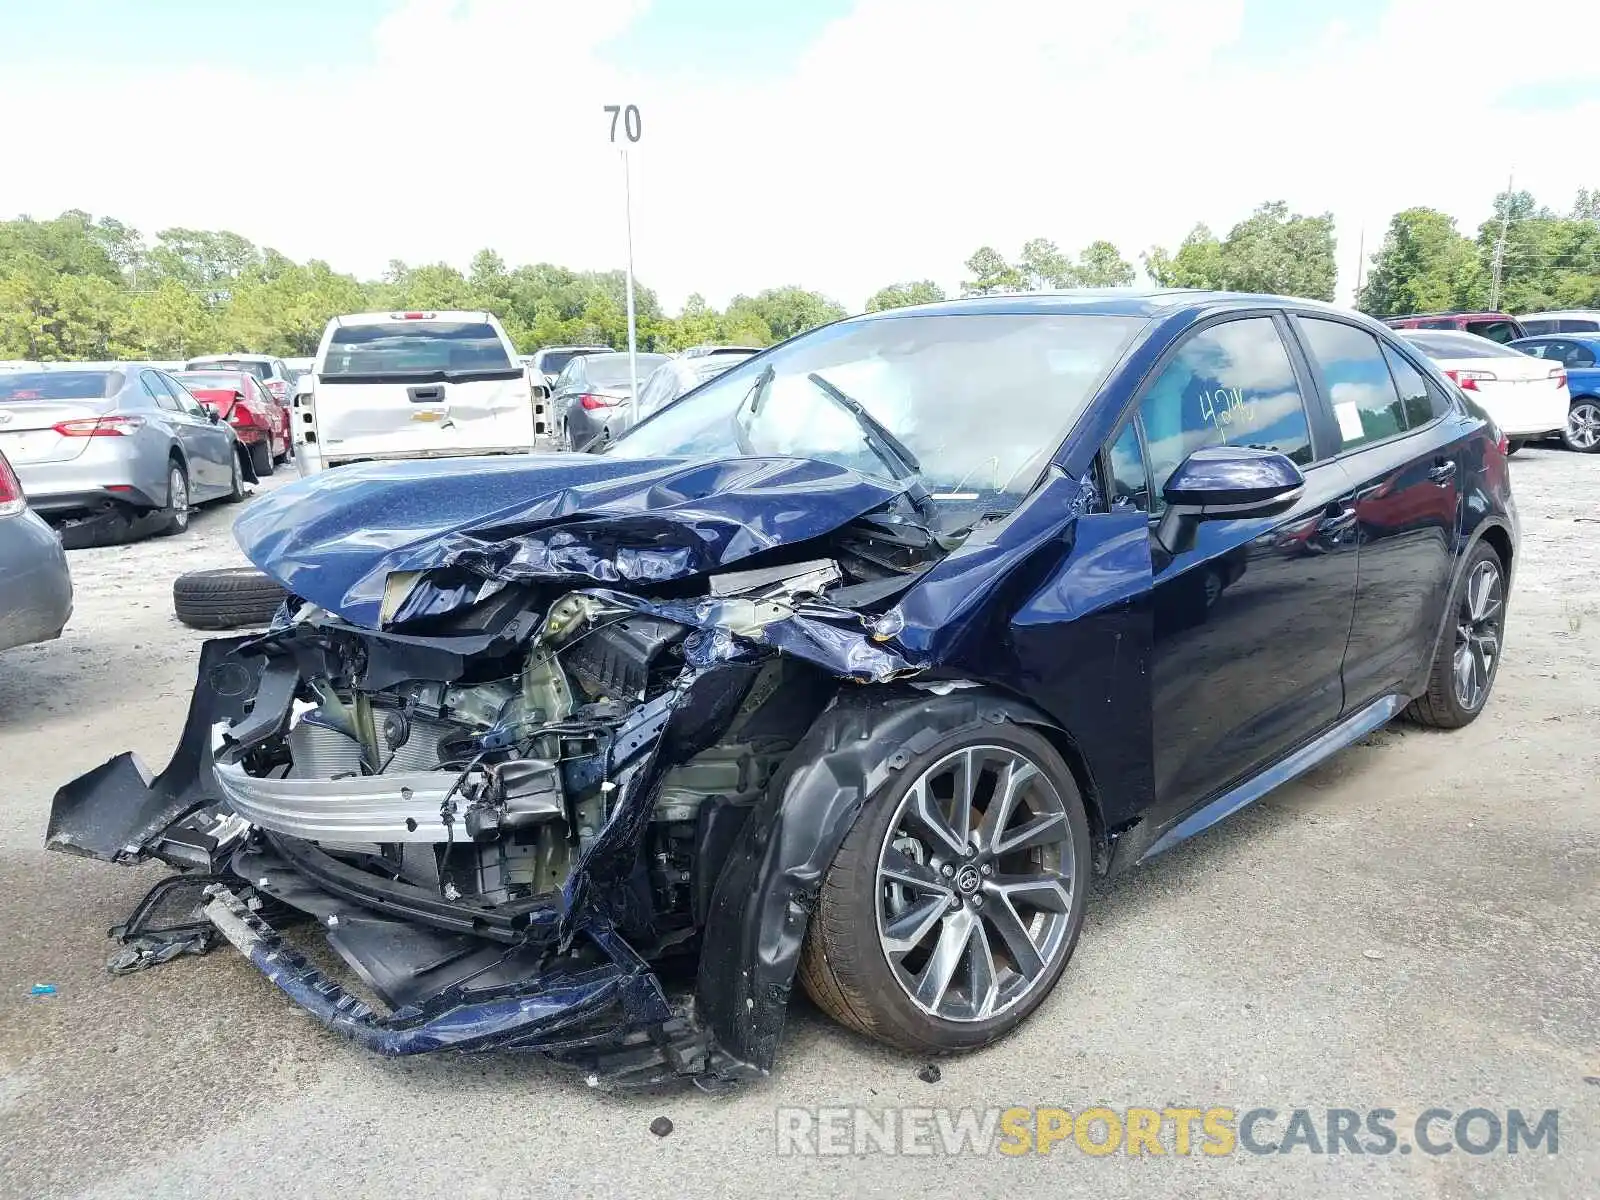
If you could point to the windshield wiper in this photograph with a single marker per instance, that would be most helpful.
(895, 454)
(899, 457)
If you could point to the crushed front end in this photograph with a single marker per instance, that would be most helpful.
(509, 820)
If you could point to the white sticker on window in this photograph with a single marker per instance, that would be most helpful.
(1349, 421)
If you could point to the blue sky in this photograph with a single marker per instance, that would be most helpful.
(863, 142)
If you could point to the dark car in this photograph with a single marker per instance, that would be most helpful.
(1496, 326)
(1580, 354)
(853, 666)
(591, 402)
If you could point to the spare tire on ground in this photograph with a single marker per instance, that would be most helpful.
(228, 598)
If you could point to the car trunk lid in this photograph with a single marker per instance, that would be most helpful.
(29, 429)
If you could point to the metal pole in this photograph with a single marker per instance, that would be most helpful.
(1500, 247)
(633, 338)
(1361, 262)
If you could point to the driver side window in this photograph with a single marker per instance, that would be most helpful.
(1229, 384)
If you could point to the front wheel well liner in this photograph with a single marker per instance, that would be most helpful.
(761, 908)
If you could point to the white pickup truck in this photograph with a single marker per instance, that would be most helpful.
(413, 385)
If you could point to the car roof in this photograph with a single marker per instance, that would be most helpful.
(1560, 312)
(1109, 302)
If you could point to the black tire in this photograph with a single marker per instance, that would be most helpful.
(229, 598)
(236, 490)
(174, 518)
(1442, 706)
(1581, 433)
(261, 458)
(844, 966)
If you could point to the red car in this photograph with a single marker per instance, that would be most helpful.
(259, 421)
(1496, 326)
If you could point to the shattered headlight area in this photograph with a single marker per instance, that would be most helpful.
(508, 819)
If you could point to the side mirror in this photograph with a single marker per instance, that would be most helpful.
(214, 416)
(1225, 481)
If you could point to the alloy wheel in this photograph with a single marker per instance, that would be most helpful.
(1478, 624)
(1583, 425)
(974, 884)
(178, 497)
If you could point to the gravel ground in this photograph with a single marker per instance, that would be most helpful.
(1414, 924)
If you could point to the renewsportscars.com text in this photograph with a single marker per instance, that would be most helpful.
(1203, 1132)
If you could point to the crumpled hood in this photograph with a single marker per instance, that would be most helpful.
(335, 538)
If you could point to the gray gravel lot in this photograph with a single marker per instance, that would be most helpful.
(1415, 924)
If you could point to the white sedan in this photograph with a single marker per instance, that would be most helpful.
(1526, 396)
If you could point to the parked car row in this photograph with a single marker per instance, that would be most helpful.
(111, 443)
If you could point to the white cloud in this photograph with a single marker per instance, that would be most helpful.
(908, 133)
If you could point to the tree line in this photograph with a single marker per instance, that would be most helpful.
(79, 288)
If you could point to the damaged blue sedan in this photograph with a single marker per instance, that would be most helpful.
(853, 665)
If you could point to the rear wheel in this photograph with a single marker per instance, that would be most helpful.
(1582, 430)
(236, 486)
(176, 513)
(956, 899)
(261, 458)
(1468, 657)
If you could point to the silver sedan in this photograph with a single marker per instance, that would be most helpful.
(35, 586)
(116, 441)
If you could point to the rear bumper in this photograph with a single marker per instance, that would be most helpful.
(35, 584)
(315, 457)
(1523, 418)
(107, 472)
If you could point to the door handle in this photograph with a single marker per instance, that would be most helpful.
(1443, 471)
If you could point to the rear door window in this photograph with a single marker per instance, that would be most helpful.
(1229, 384)
(1578, 355)
(1355, 373)
(1578, 325)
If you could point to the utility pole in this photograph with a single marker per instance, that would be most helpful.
(633, 339)
(1361, 262)
(1500, 246)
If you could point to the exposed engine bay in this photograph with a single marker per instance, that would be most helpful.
(507, 799)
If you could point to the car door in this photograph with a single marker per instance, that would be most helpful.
(1404, 450)
(210, 444)
(1250, 615)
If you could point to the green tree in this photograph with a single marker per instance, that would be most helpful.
(170, 321)
(784, 311)
(1282, 254)
(1424, 265)
(899, 295)
(1101, 265)
(1041, 265)
(1197, 264)
(991, 273)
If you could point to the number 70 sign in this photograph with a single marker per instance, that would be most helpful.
(628, 117)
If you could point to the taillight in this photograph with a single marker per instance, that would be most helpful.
(100, 427)
(238, 414)
(591, 402)
(1559, 377)
(1468, 380)
(12, 501)
(278, 388)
